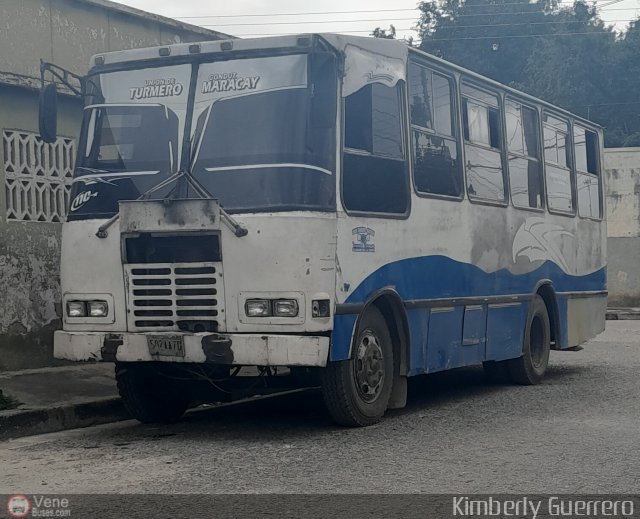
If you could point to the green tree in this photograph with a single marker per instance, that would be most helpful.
(389, 34)
(493, 37)
(621, 111)
(573, 66)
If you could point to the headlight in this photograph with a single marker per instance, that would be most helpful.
(258, 308)
(76, 309)
(285, 308)
(98, 308)
(271, 308)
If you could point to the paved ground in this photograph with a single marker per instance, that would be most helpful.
(577, 432)
(65, 385)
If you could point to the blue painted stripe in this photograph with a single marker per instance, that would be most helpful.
(435, 277)
(440, 277)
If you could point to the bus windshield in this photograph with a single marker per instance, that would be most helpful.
(255, 153)
(251, 142)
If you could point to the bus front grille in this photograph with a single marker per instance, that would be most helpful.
(183, 297)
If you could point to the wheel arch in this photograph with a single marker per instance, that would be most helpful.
(390, 304)
(548, 294)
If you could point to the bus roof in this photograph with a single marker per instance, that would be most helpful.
(389, 48)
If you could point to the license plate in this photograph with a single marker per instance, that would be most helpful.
(166, 345)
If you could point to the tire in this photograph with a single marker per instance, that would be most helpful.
(531, 367)
(357, 391)
(148, 396)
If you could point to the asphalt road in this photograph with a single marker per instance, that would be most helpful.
(578, 432)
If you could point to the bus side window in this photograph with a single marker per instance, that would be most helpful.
(374, 178)
(436, 158)
(483, 143)
(557, 164)
(585, 144)
(525, 176)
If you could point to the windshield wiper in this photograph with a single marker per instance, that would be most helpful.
(199, 189)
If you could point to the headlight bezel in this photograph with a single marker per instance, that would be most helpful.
(75, 300)
(283, 307)
(272, 320)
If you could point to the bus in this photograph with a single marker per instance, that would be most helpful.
(254, 215)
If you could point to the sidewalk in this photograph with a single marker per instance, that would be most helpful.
(53, 399)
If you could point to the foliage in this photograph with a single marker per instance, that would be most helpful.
(565, 55)
(388, 34)
(6, 402)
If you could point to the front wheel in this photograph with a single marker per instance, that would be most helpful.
(149, 396)
(531, 367)
(357, 391)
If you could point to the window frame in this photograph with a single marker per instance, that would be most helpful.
(576, 171)
(540, 157)
(401, 91)
(570, 167)
(500, 106)
(455, 126)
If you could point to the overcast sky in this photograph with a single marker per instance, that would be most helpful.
(231, 17)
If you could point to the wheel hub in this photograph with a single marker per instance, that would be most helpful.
(369, 367)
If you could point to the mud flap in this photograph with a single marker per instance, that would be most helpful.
(398, 398)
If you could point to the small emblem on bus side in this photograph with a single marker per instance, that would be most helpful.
(82, 199)
(363, 239)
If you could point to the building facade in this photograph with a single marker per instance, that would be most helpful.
(37, 176)
(622, 168)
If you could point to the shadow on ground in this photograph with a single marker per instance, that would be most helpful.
(302, 414)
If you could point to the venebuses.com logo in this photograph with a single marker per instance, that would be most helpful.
(18, 506)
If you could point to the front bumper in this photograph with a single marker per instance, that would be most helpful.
(228, 349)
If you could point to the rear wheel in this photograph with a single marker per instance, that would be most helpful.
(356, 391)
(149, 396)
(531, 367)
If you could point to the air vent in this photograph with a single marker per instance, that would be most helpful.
(178, 297)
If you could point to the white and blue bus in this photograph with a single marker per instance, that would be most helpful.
(251, 215)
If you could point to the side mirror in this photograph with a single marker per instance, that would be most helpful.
(324, 79)
(48, 113)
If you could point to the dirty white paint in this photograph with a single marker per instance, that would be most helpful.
(247, 349)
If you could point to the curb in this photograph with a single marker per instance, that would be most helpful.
(629, 314)
(17, 423)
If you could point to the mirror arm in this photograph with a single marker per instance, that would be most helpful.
(64, 76)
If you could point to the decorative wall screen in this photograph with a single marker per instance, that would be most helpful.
(38, 176)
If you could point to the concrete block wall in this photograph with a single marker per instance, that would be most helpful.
(622, 177)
